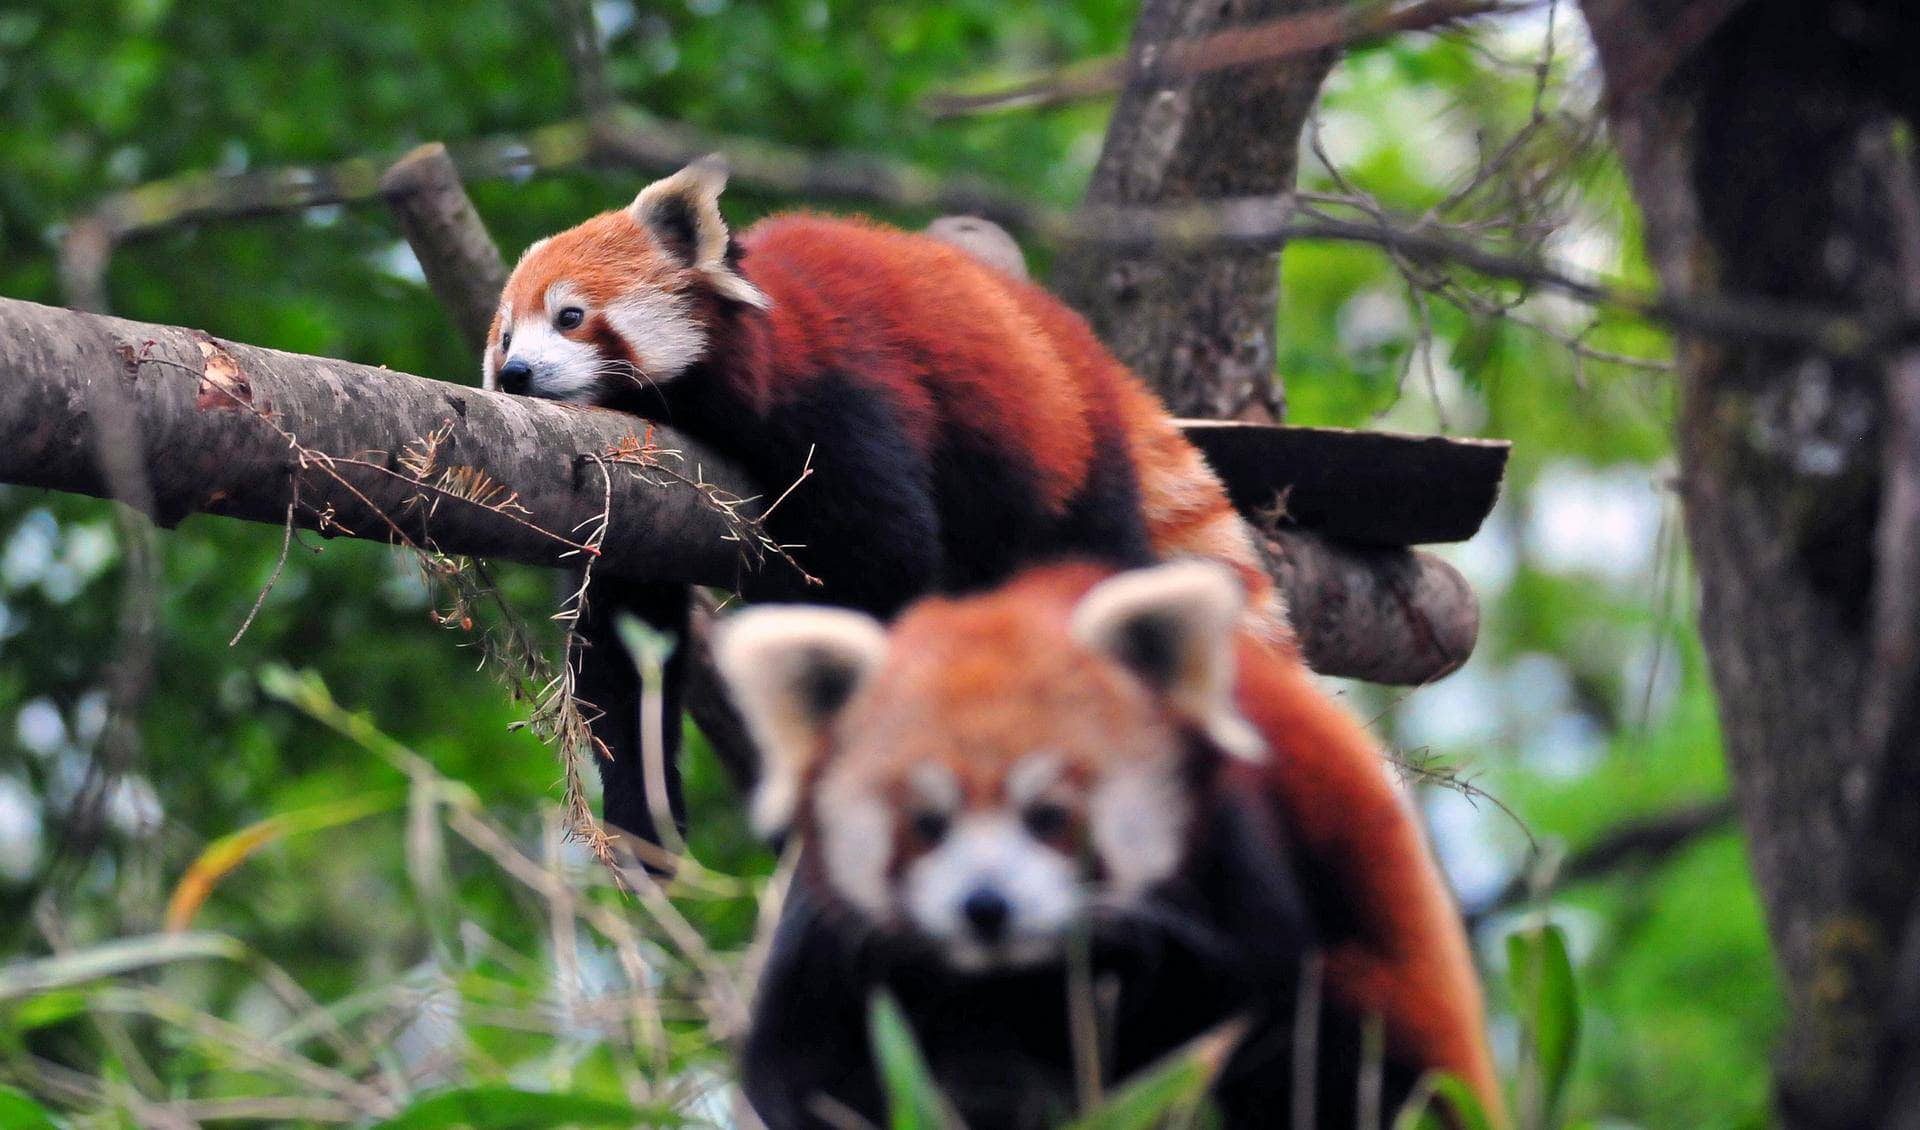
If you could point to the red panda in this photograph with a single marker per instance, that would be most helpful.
(1083, 754)
(959, 421)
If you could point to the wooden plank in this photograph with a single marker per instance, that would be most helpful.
(1377, 488)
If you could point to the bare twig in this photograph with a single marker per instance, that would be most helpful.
(1428, 769)
(279, 563)
(1644, 839)
(1266, 42)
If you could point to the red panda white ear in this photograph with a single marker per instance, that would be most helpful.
(682, 214)
(790, 670)
(1173, 626)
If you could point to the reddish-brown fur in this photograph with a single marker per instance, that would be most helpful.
(954, 343)
(1001, 660)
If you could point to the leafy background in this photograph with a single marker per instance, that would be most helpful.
(1586, 703)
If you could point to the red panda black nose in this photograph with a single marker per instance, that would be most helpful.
(986, 911)
(515, 376)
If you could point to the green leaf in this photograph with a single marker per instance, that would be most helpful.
(1548, 1005)
(46, 1009)
(110, 959)
(914, 1101)
(1459, 1108)
(506, 1108)
(1173, 1088)
(18, 1112)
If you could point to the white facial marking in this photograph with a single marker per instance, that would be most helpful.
(856, 844)
(992, 852)
(936, 786)
(656, 326)
(1033, 776)
(1138, 822)
(660, 331)
(562, 369)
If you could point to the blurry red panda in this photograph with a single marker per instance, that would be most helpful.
(1084, 754)
(959, 421)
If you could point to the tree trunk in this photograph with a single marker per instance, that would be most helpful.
(1765, 144)
(1199, 327)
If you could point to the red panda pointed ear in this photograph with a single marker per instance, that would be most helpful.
(1173, 627)
(682, 214)
(790, 670)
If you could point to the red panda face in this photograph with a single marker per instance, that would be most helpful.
(590, 311)
(609, 306)
(998, 771)
(997, 868)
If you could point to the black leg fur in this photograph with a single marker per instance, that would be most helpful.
(610, 681)
(1227, 941)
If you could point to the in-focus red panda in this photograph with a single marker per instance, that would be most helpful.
(1084, 754)
(959, 422)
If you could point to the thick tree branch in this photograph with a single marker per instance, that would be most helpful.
(1641, 840)
(459, 258)
(231, 429)
(1378, 613)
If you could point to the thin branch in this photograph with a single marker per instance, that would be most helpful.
(1644, 840)
(1270, 41)
(617, 137)
(628, 138)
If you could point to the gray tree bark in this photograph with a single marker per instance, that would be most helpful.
(1199, 327)
(1769, 146)
(224, 428)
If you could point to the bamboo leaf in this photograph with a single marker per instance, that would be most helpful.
(1458, 1107)
(1172, 1089)
(227, 853)
(914, 1101)
(1548, 1003)
(508, 1108)
(110, 959)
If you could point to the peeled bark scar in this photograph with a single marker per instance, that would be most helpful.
(223, 387)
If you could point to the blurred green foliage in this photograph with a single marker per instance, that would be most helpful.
(1586, 703)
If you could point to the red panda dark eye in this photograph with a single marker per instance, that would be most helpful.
(506, 340)
(1046, 821)
(569, 318)
(930, 827)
